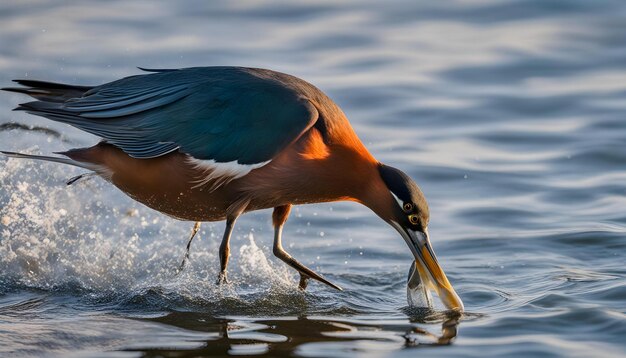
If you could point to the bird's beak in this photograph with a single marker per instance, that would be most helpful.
(428, 267)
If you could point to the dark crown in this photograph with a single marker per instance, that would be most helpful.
(404, 188)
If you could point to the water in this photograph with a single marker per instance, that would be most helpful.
(509, 114)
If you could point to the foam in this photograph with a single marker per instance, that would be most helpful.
(91, 237)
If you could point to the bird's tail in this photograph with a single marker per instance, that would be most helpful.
(49, 91)
(88, 166)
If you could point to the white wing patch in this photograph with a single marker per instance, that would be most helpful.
(216, 174)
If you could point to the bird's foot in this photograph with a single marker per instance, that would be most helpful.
(194, 231)
(222, 279)
(305, 272)
(304, 282)
(181, 267)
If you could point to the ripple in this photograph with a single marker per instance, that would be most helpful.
(509, 114)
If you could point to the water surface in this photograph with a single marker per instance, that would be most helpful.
(509, 114)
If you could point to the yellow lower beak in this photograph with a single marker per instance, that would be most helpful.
(429, 269)
(432, 274)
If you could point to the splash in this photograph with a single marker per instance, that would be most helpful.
(90, 237)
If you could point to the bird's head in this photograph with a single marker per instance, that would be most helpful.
(405, 208)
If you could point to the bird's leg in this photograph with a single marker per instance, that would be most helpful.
(194, 231)
(225, 249)
(279, 217)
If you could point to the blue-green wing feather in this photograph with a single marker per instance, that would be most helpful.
(221, 114)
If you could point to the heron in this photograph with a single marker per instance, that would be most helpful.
(206, 144)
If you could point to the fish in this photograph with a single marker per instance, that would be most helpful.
(417, 294)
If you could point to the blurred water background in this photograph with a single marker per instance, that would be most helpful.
(510, 114)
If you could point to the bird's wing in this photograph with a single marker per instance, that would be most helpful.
(237, 119)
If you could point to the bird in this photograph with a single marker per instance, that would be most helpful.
(206, 144)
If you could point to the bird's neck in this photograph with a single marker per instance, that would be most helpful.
(314, 170)
(338, 170)
(358, 176)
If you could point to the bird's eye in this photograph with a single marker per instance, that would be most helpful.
(413, 219)
(407, 207)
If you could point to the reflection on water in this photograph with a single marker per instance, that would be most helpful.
(285, 336)
(509, 114)
(139, 324)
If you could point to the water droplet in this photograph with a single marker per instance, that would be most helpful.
(6, 220)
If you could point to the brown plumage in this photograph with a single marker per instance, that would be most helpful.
(322, 160)
(310, 170)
